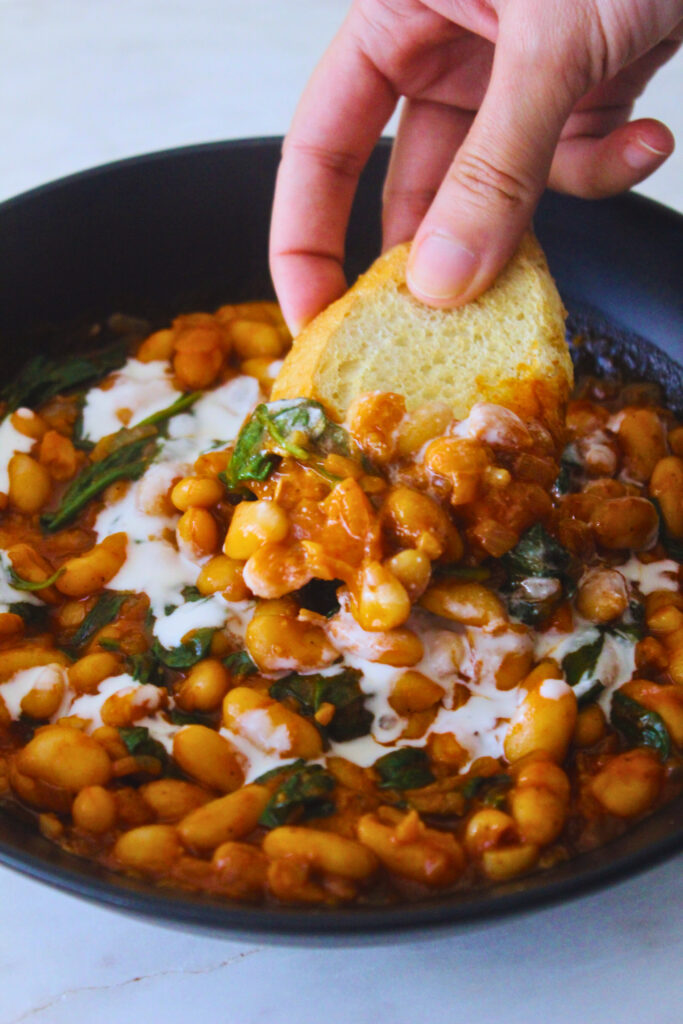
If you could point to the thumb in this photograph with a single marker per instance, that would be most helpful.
(486, 201)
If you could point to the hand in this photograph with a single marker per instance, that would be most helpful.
(501, 98)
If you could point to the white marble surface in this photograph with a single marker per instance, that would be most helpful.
(86, 81)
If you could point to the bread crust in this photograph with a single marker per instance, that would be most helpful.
(507, 346)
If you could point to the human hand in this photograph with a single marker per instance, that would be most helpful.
(501, 98)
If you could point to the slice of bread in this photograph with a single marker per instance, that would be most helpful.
(508, 346)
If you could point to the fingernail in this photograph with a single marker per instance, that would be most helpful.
(640, 154)
(442, 267)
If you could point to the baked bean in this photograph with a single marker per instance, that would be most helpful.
(539, 802)
(545, 719)
(28, 423)
(44, 700)
(205, 687)
(173, 799)
(252, 339)
(86, 674)
(159, 345)
(242, 870)
(228, 818)
(509, 861)
(629, 783)
(94, 810)
(198, 357)
(197, 531)
(254, 523)
(197, 492)
(412, 519)
(603, 595)
(625, 523)
(590, 726)
(58, 455)
(460, 461)
(16, 659)
(65, 757)
(277, 640)
(414, 691)
(208, 757)
(29, 483)
(90, 572)
(223, 575)
(642, 439)
(411, 568)
(150, 849)
(382, 602)
(411, 850)
(325, 851)
(374, 420)
(666, 485)
(421, 425)
(269, 725)
(471, 604)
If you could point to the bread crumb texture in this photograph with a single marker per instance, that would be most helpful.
(508, 346)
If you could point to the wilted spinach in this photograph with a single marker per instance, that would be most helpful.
(304, 794)
(351, 718)
(537, 555)
(44, 377)
(297, 427)
(139, 743)
(240, 664)
(104, 611)
(639, 725)
(407, 768)
(490, 789)
(186, 654)
(30, 586)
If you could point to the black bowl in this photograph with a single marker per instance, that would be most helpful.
(187, 229)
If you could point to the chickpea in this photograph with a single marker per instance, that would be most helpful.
(197, 531)
(151, 849)
(205, 687)
(65, 757)
(269, 725)
(642, 439)
(471, 604)
(208, 757)
(29, 483)
(629, 783)
(625, 523)
(666, 485)
(90, 572)
(382, 602)
(603, 595)
(197, 492)
(254, 523)
(94, 810)
(223, 575)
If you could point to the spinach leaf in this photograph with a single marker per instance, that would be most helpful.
(126, 461)
(640, 725)
(569, 461)
(305, 794)
(139, 743)
(180, 717)
(320, 596)
(490, 789)
(145, 668)
(285, 769)
(101, 614)
(240, 664)
(351, 718)
(579, 665)
(190, 593)
(21, 584)
(297, 427)
(43, 377)
(161, 418)
(468, 573)
(32, 614)
(537, 555)
(188, 653)
(407, 768)
(590, 695)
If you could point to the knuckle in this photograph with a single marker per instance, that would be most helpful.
(485, 182)
(341, 163)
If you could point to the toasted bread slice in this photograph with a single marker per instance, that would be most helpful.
(508, 346)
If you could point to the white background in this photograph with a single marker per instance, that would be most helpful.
(87, 81)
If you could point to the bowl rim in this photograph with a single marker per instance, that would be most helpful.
(357, 924)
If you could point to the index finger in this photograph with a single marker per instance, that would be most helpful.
(339, 118)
